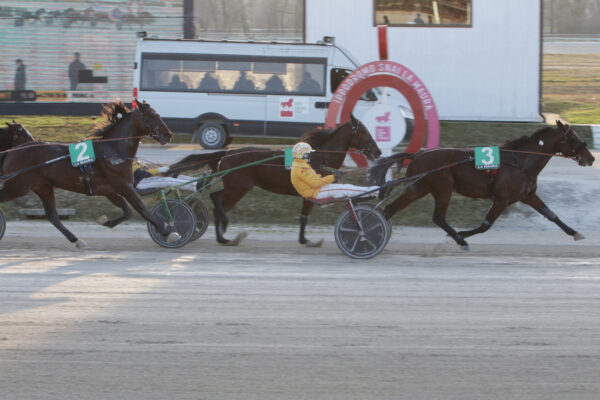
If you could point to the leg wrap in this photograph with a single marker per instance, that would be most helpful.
(546, 212)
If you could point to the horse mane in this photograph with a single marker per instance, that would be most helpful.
(524, 140)
(318, 137)
(109, 118)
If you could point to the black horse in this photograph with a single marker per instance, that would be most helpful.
(40, 167)
(444, 171)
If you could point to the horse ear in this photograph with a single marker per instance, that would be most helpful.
(7, 124)
(560, 124)
(353, 119)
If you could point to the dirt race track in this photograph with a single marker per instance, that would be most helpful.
(516, 318)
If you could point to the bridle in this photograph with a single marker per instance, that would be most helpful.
(572, 140)
(153, 131)
(16, 134)
(364, 147)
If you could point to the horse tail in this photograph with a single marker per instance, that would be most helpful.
(376, 175)
(196, 161)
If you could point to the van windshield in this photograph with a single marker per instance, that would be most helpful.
(233, 74)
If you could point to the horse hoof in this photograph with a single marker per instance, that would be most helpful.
(80, 244)
(578, 236)
(173, 237)
(465, 247)
(310, 243)
(238, 239)
(102, 220)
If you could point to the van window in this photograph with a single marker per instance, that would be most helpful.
(233, 74)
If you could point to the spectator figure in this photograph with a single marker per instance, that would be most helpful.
(418, 20)
(20, 78)
(209, 83)
(74, 67)
(176, 83)
(243, 84)
(274, 85)
(309, 85)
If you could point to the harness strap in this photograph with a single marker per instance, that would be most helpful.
(87, 178)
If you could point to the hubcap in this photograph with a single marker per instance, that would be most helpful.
(211, 135)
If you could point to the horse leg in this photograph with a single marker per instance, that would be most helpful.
(129, 193)
(442, 201)
(494, 212)
(46, 195)
(221, 220)
(122, 204)
(538, 205)
(307, 207)
(410, 195)
(224, 201)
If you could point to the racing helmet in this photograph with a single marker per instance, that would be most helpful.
(301, 149)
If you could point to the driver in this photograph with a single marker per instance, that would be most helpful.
(150, 178)
(310, 184)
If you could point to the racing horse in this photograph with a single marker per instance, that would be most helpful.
(330, 150)
(41, 166)
(443, 171)
(14, 135)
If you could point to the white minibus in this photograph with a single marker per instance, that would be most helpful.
(219, 89)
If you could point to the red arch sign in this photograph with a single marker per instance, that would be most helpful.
(388, 74)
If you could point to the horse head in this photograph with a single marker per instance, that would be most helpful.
(15, 135)
(571, 145)
(153, 125)
(362, 140)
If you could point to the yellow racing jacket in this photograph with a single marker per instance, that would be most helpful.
(306, 181)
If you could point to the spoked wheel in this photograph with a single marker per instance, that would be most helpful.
(202, 217)
(2, 224)
(183, 218)
(363, 237)
(388, 222)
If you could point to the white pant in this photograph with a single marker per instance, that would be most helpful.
(163, 182)
(342, 190)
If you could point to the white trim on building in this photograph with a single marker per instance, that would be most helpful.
(487, 72)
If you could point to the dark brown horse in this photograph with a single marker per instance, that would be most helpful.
(443, 171)
(40, 166)
(14, 135)
(331, 148)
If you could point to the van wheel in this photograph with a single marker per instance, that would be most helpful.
(211, 135)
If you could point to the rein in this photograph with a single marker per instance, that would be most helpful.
(7, 177)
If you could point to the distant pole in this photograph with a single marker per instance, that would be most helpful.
(189, 30)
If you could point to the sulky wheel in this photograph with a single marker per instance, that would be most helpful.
(202, 217)
(183, 218)
(366, 242)
(2, 224)
(388, 222)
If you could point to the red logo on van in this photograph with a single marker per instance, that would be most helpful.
(287, 108)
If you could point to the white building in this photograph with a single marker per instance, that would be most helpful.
(485, 70)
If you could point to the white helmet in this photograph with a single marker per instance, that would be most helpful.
(301, 149)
